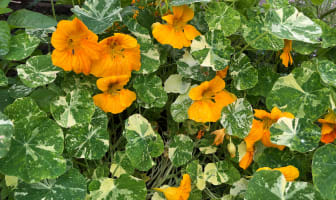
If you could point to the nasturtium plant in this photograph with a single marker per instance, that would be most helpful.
(167, 99)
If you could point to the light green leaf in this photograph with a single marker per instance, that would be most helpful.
(237, 118)
(317, 2)
(6, 132)
(195, 170)
(11, 181)
(3, 79)
(35, 151)
(183, 2)
(222, 17)
(98, 15)
(89, 140)
(327, 71)
(142, 142)
(71, 185)
(221, 172)
(188, 67)
(239, 188)
(4, 38)
(24, 109)
(304, 48)
(180, 150)
(257, 35)
(302, 85)
(149, 90)
(289, 23)
(206, 145)
(179, 109)
(37, 71)
(28, 19)
(76, 107)
(278, 3)
(212, 50)
(125, 187)
(297, 134)
(21, 46)
(176, 84)
(243, 73)
(323, 170)
(121, 164)
(328, 34)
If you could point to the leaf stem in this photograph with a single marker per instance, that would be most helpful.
(328, 13)
(53, 8)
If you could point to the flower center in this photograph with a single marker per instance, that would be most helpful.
(178, 24)
(115, 49)
(268, 123)
(208, 95)
(114, 88)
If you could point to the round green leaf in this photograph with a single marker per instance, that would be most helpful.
(76, 107)
(35, 151)
(323, 170)
(18, 90)
(6, 132)
(4, 38)
(179, 109)
(221, 172)
(71, 185)
(188, 67)
(142, 142)
(221, 17)
(195, 170)
(28, 19)
(24, 109)
(21, 46)
(302, 85)
(3, 79)
(149, 90)
(328, 34)
(243, 73)
(180, 150)
(304, 48)
(43, 97)
(37, 71)
(176, 84)
(5, 98)
(74, 81)
(237, 118)
(98, 15)
(327, 71)
(89, 140)
(125, 187)
(289, 23)
(121, 164)
(212, 50)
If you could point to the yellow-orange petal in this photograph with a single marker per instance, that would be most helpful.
(329, 138)
(216, 84)
(197, 92)
(266, 140)
(62, 59)
(262, 114)
(204, 111)
(171, 193)
(246, 161)
(125, 41)
(190, 32)
(224, 98)
(127, 97)
(185, 186)
(183, 13)
(264, 168)
(178, 193)
(109, 102)
(169, 19)
(112, 82)
(255, 134)
(222, 73)
(327, 128)
(290, 172)
(167, 34)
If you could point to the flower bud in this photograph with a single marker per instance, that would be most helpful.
(232, 149)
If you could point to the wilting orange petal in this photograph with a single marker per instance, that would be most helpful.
(330, 137)
(222, 73)
(219, 136)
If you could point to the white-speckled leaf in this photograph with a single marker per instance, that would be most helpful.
(289, 23)
(221, 172)
(179, 109)
(142, 142)
(37, 71)
(71, 185)
(121, 164)
(239, 188)
(328, 34)
(327, 71)
(76, 107)
(237, 118)
(180, 150)
(5, 36)
(212, 50)
(243, 73)
(74, 81)
(195, 170)
(89, 140)
(98, 15)
(176, 84)
(125, 187)
(6, 132)
(21, 46)
(18, 90)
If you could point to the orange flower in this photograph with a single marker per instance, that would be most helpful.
(115, 98)
(286, 56)
(178, 193)
(75, 46)
(246, 161)
(255, 134)
(176, 32)
(120, 55)
(219, 136)
(268, 119)
(328, 130)
(222, 73)
(209, 99)
(290, 172)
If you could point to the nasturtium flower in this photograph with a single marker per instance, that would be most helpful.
(268, 119)
(286, 56)
(290, 172)
(76, 47)
(255, 134)
(222, 73)
(178, 193)
(209, 99)
(246, 160)
(176, 32)
(120, 55)
(115, 98)
(328, 130)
